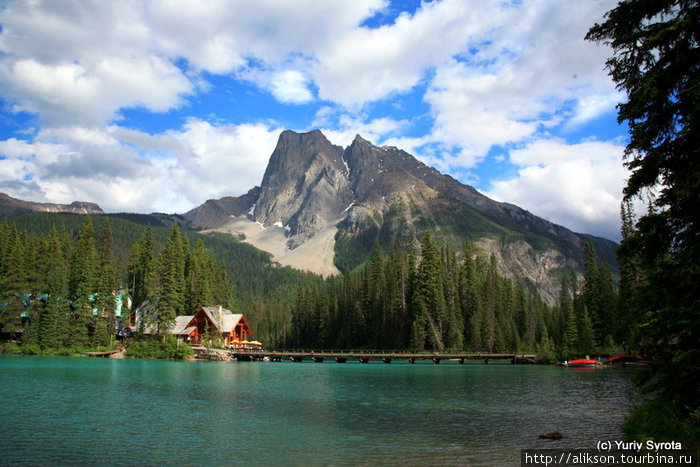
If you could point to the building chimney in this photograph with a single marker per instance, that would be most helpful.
(221, 318)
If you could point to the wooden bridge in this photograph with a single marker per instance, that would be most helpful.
(343, 356)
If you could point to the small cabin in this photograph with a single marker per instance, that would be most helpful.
(234, 328)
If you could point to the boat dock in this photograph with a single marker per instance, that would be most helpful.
(106, 354)
(343, 356)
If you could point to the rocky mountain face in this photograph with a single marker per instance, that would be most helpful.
(305, 186)
(10, 206)
(362, 194)
(215, 212)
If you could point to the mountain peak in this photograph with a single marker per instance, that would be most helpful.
(360, 140)
(304, 186)
(314, 193)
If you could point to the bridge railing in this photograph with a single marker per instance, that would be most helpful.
(384, 351)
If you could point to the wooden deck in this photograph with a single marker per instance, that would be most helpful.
(102, 354)
(381, 356)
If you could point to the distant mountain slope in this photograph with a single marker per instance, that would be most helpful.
(215, 212)
(10, 206)
(321, 207)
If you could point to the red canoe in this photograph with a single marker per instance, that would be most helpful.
(583, 363)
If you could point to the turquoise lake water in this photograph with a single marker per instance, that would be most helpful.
(154, 412)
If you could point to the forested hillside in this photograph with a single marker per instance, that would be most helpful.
(437, 298)
(420, 296)
(263, 291)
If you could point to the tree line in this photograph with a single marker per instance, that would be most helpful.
(427, 297)
(655, 62)
(58, 290)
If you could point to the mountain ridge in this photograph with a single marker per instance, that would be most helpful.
(321, 207)
(10, 206)
(365, 193)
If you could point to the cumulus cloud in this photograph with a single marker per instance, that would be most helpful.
(341, 128)
(85, 62)
(505, 74)
(290, 86)
(522, 78)
(129, 170)
(578, 186)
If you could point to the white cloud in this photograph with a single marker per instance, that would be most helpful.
(341, 128)
(522, 77)
(84, 62)
(592, 106)
(291, 86)
(364, 65)
(226, 159)
(128, 170)
(578, 186)
(203, 160)
(491, 73)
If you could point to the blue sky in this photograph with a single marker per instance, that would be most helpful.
(147, 106)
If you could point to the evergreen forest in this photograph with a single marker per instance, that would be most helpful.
(429, 297)
(64, 279)
(60, 273)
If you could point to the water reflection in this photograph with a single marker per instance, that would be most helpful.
(148, 411)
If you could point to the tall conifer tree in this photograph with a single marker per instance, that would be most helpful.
(171, 267)
(83, 281)
(106, 287)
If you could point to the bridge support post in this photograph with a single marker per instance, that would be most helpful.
(461, 360)
(436, 361)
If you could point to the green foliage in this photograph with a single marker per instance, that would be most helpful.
(30, 349)
(427, 302)
(351, 251)
(10, 348)
(585, 317)
(142, 268)
(236, 275)
(57, 290)
(157, 347)
(546, 351)
(659, 421)
(171, 285)
(656, 62)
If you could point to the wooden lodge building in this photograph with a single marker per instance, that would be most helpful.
(212, 320)
(233, 327)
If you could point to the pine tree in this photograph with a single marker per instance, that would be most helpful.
(454, 332)
(171, 293)
(14, 282)
(488, 312)
(630, 279)
(373, 294)
(429, 288)
(656, 61)
(54, 323)
(397, 317)
(142, 269)
(83, 280)
(586, 342)
(469, 299)
(200, 273)
(107, 284)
